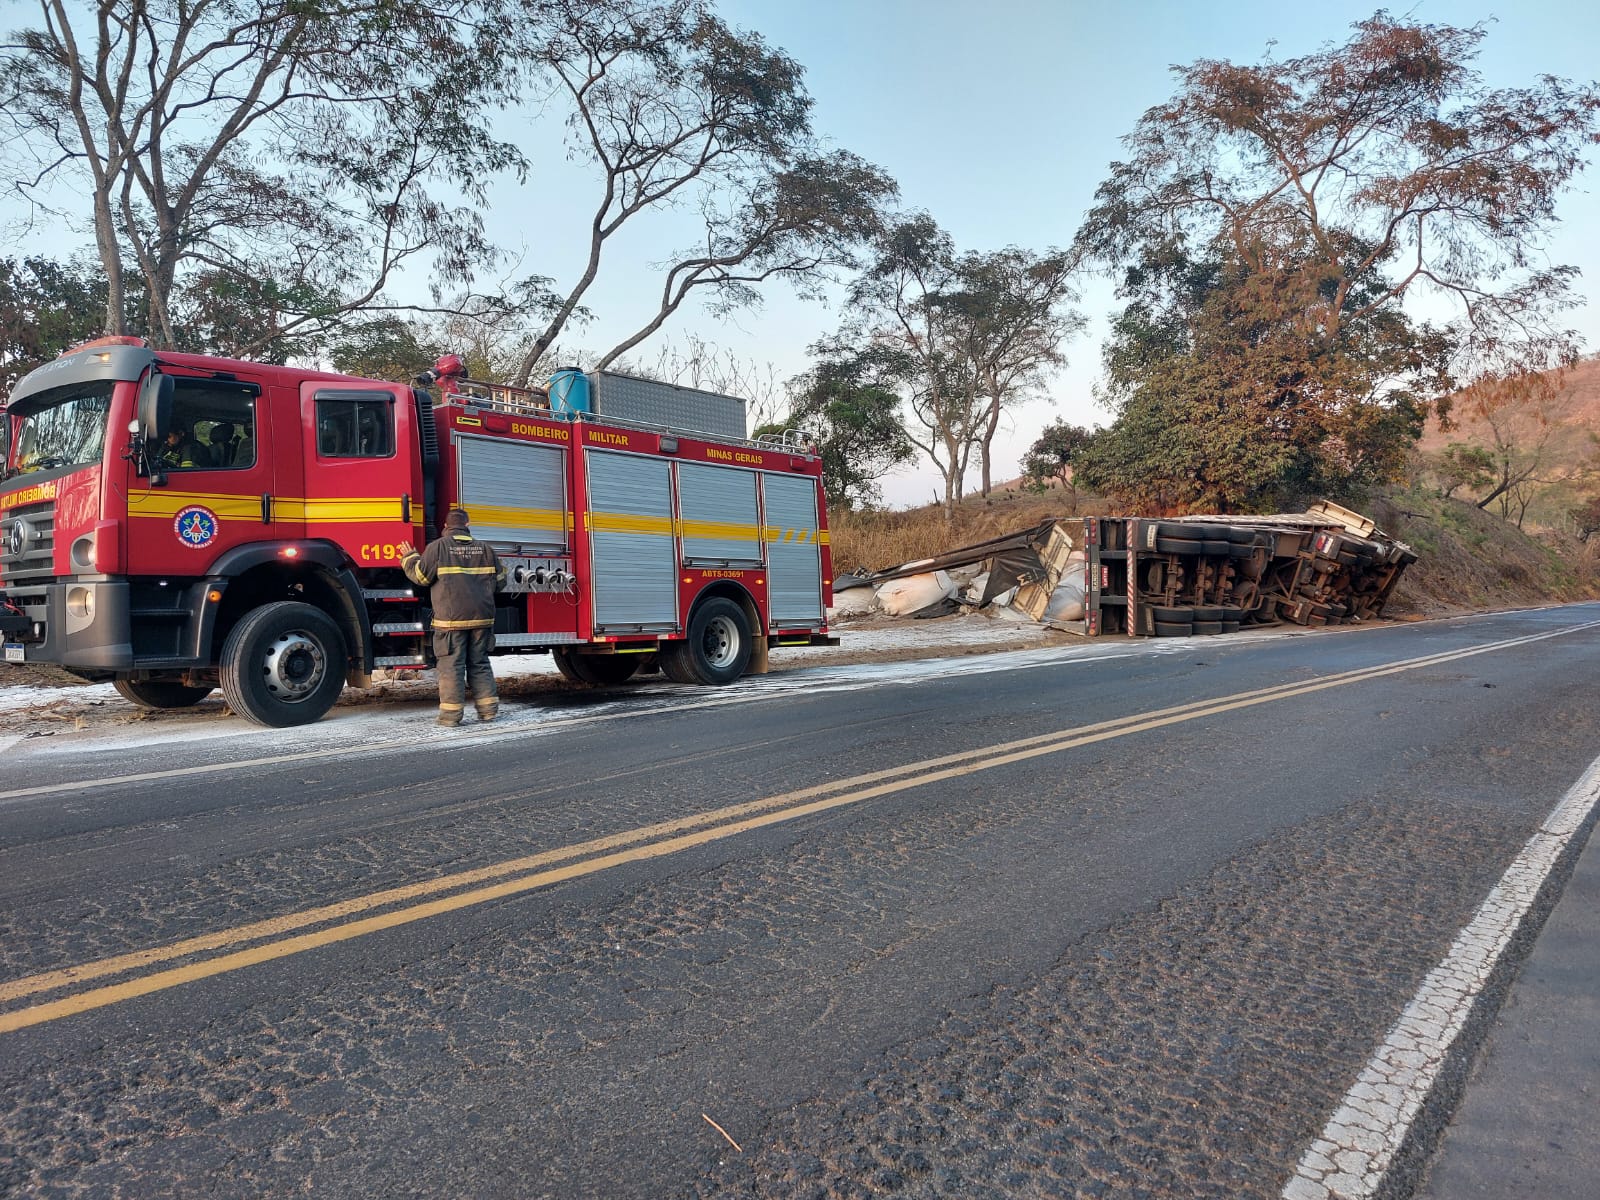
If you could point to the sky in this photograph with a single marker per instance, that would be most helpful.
(1000, 120)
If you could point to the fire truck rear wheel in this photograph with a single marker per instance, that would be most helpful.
(563, 660)
(160, 693)
(597, 670)
(717, 648)
(283, 664)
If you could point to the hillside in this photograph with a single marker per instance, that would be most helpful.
(1562, 431)
(1471, 560)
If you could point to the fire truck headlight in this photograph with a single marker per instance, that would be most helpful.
(83, 553)
(80, 603)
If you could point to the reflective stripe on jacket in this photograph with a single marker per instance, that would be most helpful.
(463, 574)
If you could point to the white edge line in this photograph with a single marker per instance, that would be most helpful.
(1358, 1145)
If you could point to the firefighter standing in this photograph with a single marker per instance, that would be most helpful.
(464, 575)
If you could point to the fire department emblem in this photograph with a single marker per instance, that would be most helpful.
(196, 526)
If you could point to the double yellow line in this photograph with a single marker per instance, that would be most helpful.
(231, 949)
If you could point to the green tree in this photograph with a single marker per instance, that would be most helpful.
(853, 417)
(1273, 222)
(283, 151)
(960, 337)
(1053, 456)
(45, 307)
(899, 323)
(386, 347)
(1461, 465)
(1586, 518)
(1006, 315)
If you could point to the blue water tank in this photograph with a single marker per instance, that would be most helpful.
(569, 392)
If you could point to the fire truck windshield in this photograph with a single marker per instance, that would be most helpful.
(60, 428)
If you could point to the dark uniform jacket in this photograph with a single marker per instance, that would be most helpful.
(463, 573)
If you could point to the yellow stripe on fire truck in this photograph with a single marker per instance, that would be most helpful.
(732, 531)
(601, 522)
(167, 505)
(774, 533)
(489, 515)
(351, 510)
(339, 510)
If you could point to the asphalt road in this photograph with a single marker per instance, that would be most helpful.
(1125, 919)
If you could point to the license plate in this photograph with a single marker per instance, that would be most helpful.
(13, 651)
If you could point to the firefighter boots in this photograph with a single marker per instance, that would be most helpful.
(489, 711)
(450, 717)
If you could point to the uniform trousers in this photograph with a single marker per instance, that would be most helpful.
(463, 663)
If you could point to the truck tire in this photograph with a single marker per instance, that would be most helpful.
(563, 661)
(160, 693)
(596, 670)
(1172, 616)
(717, 648)
(283, 664)
(1205, 628)
(1172, 545)
(1173, 628)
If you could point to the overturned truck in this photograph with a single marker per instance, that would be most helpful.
(1183, 576)
(1203, 575)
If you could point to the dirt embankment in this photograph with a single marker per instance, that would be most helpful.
(1470, 560)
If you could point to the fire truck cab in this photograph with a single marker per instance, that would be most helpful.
(176, 522)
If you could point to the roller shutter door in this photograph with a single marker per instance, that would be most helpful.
(717, 506)
(794, 556)
(514, 492)
(633, 554)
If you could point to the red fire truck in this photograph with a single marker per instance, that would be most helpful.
(175, 523)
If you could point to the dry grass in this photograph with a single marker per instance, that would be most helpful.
(875, 541)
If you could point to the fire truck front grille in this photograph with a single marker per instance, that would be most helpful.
(27, 543)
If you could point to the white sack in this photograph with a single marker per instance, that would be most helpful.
(1066, 602)
(853, 602)
(900, 597)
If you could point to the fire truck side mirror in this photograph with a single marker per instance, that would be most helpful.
(150, 425)
(155, 406)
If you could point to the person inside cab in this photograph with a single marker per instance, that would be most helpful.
(222, 449)
(181, 451)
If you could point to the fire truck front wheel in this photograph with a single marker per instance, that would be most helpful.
(717, 648)
(283, 664)
(160, 693)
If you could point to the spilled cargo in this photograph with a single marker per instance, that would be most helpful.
(1173, 577)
